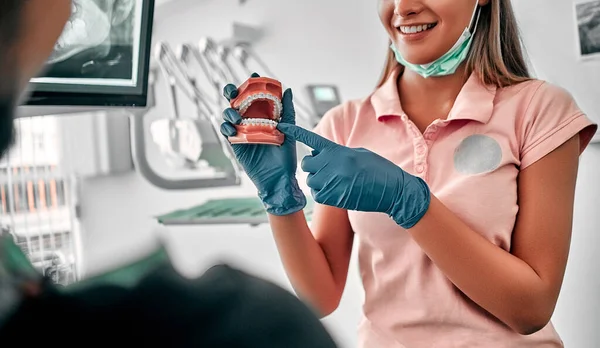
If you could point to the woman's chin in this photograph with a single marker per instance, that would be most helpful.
(419, 60)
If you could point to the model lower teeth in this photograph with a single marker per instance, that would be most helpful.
(258, 122)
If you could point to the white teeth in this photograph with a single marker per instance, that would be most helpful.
(277, 107)
(415, 28)
(258, 122)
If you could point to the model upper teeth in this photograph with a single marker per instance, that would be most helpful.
(415, 28)
(258, 122)
(277, 107)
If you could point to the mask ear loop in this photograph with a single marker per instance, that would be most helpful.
(478, 12)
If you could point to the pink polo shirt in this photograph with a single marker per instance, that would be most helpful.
(471, 162)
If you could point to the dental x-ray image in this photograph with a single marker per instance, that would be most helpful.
(588, 22)
(98, 42)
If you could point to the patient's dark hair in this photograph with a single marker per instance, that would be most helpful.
(10, 24)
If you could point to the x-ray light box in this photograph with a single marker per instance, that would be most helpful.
(101, 58)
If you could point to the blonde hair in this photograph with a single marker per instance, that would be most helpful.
(496, 54)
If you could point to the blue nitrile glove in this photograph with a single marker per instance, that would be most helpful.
(361, 180)
(271, 168)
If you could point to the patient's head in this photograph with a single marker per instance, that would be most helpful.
(28, 32)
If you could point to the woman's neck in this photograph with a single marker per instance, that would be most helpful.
(436, 93)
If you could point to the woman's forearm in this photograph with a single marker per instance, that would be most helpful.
(498, 281)
(305, 262)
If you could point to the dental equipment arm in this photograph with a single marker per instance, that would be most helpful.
(188, 85)
(184, 56)
(209, 73)
(208, 49)
(138, 140)
(177, 75)
(186, 53)
(223, 53)
(169, 77)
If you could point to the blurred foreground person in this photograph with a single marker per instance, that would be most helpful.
(147, 303)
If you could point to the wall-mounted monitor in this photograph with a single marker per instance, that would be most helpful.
(101, 59)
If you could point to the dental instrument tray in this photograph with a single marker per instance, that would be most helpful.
(243, 210)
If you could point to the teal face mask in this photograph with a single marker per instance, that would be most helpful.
(451, 60)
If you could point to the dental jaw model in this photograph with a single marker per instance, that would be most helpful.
(259, 104)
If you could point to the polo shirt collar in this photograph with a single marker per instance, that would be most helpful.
(474, 102)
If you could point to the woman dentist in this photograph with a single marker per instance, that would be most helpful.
(457, 174)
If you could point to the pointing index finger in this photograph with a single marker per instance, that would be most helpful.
(304, 136)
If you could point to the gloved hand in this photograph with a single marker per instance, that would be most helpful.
(271, 168)
(358, 179)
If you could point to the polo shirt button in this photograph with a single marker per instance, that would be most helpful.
(420, 168)
(420, 149)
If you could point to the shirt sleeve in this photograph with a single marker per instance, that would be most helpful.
(552, 118)
(333, 126)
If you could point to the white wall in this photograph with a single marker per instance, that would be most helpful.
(310, 41)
